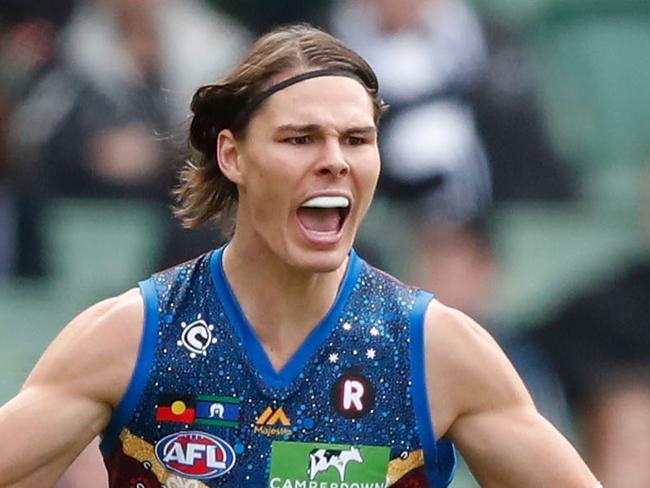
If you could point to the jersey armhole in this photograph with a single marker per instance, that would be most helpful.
(140, 377)
(439, 455)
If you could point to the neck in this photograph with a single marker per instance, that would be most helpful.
(282, 304)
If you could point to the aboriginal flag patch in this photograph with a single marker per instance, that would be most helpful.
(176, 408)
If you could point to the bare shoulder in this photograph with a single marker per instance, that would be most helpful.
(94, 355)
(466, 369)
(456, 340)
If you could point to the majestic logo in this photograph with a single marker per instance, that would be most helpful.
(273, 422)
(197, 337)
(202, 409)
(306, 465)
(353, 395)
(321, 460)
(195, 454)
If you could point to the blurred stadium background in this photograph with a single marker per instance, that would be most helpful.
(591, 76)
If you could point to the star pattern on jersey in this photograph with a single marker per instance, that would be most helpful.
(370, 336)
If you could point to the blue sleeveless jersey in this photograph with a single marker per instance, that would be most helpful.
(205, 407)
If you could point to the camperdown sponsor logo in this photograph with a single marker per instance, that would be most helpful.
(279, 483)
(318, 465)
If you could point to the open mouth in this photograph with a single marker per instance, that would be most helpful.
(324, 214)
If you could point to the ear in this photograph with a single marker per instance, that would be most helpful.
(228, 156)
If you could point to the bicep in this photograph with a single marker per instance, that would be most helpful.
(514, 446)
(68, 398)
(48, 427)
(486, 410)
(87, 470)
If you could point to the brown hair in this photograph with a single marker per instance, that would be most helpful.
(204, 192)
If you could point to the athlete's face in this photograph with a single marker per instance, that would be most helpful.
(307, 171)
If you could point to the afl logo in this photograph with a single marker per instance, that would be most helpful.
(196, 337)
(195, 454)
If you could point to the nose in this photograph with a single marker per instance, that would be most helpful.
(333, 160)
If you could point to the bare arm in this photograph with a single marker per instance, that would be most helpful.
(479, 402)
(68, 398)
(87, 470)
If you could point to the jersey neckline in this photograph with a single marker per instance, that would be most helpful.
(253, 348)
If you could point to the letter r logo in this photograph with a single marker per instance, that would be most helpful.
(352, 395)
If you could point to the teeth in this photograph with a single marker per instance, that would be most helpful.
(327, 202)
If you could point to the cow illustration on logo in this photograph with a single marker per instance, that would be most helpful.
(321, 460)
(195, 454)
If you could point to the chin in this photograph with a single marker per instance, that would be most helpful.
(321, 261)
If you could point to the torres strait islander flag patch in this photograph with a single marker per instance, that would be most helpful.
(202, 409)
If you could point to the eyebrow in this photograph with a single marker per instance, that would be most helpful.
(317, 127)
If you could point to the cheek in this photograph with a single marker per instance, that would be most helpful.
(376, 169)
(269, 190)
(261, 176)
(368, 173)
(266, 195)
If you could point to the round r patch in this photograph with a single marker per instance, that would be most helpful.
(353, 395)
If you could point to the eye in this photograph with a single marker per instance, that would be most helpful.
(356, 140)
(299, 140)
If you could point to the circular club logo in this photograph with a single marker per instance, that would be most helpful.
(197, 337)
(195, 454)
(353, 395)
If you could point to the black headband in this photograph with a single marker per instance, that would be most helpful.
(257, 100)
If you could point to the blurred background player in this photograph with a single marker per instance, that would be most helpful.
(115, 85)
(599, 342)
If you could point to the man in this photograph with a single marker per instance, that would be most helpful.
(281, 359)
